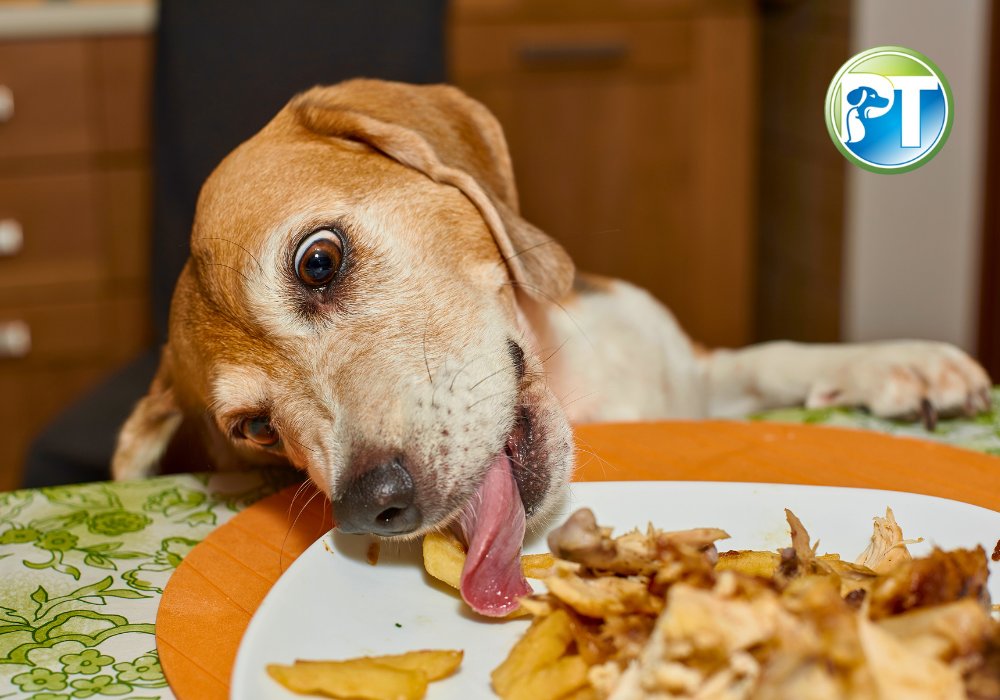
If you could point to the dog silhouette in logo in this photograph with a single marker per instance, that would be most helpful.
(863, 99)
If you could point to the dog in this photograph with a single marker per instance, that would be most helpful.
(863, 99)
(364, 302)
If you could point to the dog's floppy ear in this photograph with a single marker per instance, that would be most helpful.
(147, 432)
(454, 140)
(855, 96)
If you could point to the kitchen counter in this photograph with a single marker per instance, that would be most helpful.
(57, 18)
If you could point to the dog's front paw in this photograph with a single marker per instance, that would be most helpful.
(906, 379)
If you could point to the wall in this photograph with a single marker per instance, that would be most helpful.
(912, 240)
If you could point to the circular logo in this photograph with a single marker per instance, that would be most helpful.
(889, 109)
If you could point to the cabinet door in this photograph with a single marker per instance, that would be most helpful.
(50, 99)
(632, 145)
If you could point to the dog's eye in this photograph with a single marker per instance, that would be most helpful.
(318, 258)
(259, 429)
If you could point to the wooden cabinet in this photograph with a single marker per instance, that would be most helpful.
(631, 124)
(74, 224)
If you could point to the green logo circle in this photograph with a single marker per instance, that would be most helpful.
(889, 109)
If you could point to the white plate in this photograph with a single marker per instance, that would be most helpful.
(332, 604)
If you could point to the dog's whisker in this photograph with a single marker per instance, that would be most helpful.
(485, 398)
(245, 250)
(322, 519)
(299, 490)
(488, 376)
(505, 260)
(585, 448)
(475, 358)
(427, 364)
(291, 505)
(580, 398)
(514, 460)
(300, 444)
(552, 354)
(281, 550)
(230, 267)
(555, 302)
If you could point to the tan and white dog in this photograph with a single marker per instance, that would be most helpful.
(364, 302)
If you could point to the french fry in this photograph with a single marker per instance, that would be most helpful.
(550, 682)
(433, 663)
(537, 565)
(585, 693)
(749, 562)
(360, 679)
(544, 642)
(444, 558)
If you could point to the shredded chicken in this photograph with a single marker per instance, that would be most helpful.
(660, 615)
(582, 541)
(887, 548)
(940, 577)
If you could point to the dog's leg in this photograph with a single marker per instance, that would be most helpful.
(904, 378)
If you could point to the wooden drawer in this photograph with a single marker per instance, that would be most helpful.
(74, 230)
(61, 243)
(499, 51)
(124, 85)
(52, 97)
(109, 330)
(563, 11)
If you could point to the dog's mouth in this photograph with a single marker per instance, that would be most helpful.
(493, 523)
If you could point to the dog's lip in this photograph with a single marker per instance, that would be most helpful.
(531, 479)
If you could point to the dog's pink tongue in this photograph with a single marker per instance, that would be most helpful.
(493, 524)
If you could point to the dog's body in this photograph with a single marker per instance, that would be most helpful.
(653, 370)
(364, 302)
(864, 100)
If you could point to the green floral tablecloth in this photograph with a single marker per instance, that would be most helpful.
(981, 433)
(82, 568)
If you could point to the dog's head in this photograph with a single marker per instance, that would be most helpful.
(355, 305)
(864, 98)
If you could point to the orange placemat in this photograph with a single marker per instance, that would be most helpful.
(213, 594)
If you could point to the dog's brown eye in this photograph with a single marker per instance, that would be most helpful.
(259, 429)
(318, 258)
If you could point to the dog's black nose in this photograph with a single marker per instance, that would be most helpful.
(379, 501)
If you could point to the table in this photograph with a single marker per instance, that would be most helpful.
(82, 568)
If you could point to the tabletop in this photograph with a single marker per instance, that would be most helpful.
(82, 567)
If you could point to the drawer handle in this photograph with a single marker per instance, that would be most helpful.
(15, 340)
(579, 53)
(11, 237)
(6, 104)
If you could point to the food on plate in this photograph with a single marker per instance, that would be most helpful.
(543, 643)
(654, 614)
(393, 677)
(444, 559)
